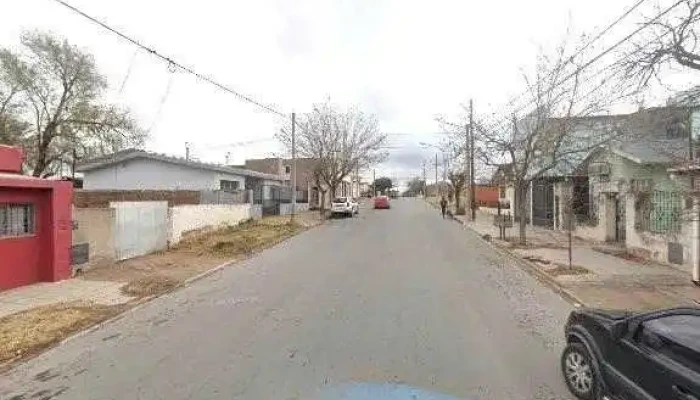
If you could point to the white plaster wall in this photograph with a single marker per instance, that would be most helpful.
(191, 217)
(656, 245)
(148, 174)
(255, 211)
(286, 208)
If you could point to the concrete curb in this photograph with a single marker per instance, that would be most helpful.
(530, 268)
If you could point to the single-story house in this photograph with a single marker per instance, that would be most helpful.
(636, 202)
(135, 169)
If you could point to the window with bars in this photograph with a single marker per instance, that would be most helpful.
(16, 220)
(666, 212)
(229, 186)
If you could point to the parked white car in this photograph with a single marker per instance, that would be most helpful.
(346, 206)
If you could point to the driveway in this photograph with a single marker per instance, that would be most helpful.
(399, 296)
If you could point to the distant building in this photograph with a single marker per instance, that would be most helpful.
(305, 183)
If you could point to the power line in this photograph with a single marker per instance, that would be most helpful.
(128, 71)
(237, 144)
(596, 38)
(163, 99)
(603, 53)
(172, 62)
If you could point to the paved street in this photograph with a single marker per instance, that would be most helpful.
(389, 296)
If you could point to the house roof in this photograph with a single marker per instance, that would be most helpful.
(651, 151)
(132, 154)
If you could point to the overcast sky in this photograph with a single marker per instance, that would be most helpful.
(406, 61)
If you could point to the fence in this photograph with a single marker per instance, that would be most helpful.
(94, 227)
(184, 219)
(276, 200)
(222, 197)
(131, 229)
(286, 208)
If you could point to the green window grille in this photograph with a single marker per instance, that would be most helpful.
(666, 212)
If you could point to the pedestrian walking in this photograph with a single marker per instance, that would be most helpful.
(443, 206)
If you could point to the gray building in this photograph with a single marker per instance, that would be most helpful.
(141, 170)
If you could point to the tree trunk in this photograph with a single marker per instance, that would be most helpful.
(458, 202)
(322, 198)
(40, 165)
(42, 149)
(521, 207)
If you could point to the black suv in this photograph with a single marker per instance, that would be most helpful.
(622, 355)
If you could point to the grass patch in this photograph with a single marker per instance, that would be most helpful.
(28, 332)
(245, 238)
(149, 286)
(563, 269)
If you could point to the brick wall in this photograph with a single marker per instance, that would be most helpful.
(102, 198)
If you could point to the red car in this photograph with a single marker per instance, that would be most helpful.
(381, 202)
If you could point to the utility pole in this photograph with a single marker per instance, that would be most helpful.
(696, 205)
(425, 183)
(187, 151)
(374, 182)
(471, 159)
(294, 166)
(444, 168)
(73, 162)
(467, 169)
(437, 194)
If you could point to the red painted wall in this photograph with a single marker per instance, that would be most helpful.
(22, 257)
(62, 234)
(10, 159)
(487, 195)
(45, 255)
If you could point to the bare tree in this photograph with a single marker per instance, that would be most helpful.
(458, 181)
(11, 126)
(59, 90)
(551, 137)
(667, 41)
(456, 169)
(342, 141)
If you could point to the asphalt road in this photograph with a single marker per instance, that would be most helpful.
(398, 296)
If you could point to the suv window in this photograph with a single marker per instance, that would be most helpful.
(676, 336)
(339, 200)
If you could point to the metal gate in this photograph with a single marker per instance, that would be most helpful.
(271, 205)
(620, 223)
(141, 227)
(543, 203)
(270, 198)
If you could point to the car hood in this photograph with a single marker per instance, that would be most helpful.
(614, 315)
(378, 391)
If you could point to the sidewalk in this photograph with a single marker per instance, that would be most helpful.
(596, 279)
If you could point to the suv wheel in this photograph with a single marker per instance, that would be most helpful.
(579, 375)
